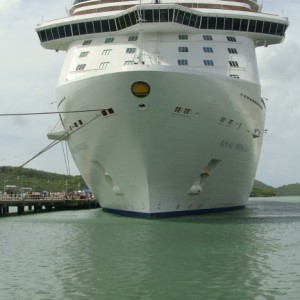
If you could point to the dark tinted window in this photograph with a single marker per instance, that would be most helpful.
(204, 23)
(244, 25)
(267, 26)
(97, 26)
(212, 23)
(259, 26)
(112, 25)
(49, 34)
(228, 24)
(68, 30)
(61, 31)
(89, 27)
(75, 29)
(82, 28)
(105, 26)
(220, 23)
(55, 33)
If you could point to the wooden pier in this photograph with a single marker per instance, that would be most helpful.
(45, 204)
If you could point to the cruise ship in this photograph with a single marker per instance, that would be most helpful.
(160, 101)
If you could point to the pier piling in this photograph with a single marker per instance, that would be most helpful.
(44, 204)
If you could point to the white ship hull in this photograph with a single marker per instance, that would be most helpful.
(148, 159)
(160, 103)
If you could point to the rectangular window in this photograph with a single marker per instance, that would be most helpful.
(128, 62)
(187, 111)
(75, 29)
(266, 28)
(207, 38)
(105, 25)
(49, 34)
(127, 20)
(104, 65)
(212, 22)
(82, 28)
(106, 51)
(55, 33)
(233, 64)
(149, 15)
(130, 50)
(61, 31)
(183, 62)
(84, 54)
(97, 26)
(208, 49)
(272, 29)
(109, 40)
(231, 39)
(68, 30)
(183, 37)
(179, 17)
(87, 42)
(186, 19)
(112, 25)
(89, 27)
(228, 23)
(208, 62)
(133, 38)
(220, 23)
(183, 49)
(204, 23)
(182, 110)
(164, 15)
(232, 50)
(259, 26)
(236, 24)
(244, 25)
(80, 67)
(252, 26)
(177, 109)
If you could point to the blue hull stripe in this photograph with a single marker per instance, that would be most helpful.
(171, 214)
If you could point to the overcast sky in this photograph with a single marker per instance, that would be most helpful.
(29, 75)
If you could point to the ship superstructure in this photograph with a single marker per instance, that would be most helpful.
(180, 116)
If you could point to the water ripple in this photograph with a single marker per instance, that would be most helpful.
(246, 254)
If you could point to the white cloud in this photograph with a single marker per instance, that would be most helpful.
(280, 80)
(28, 79)
(6, 7)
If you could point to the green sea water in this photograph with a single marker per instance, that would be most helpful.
(253, 253)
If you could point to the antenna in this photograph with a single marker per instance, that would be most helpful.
(140, 20)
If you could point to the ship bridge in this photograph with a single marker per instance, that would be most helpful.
(263, 29)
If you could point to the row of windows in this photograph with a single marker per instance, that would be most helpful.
(210, 63)
(102, 66)
(181, 62)
(180, 49)
(162, 15)
(252, 100)
(180, 37)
